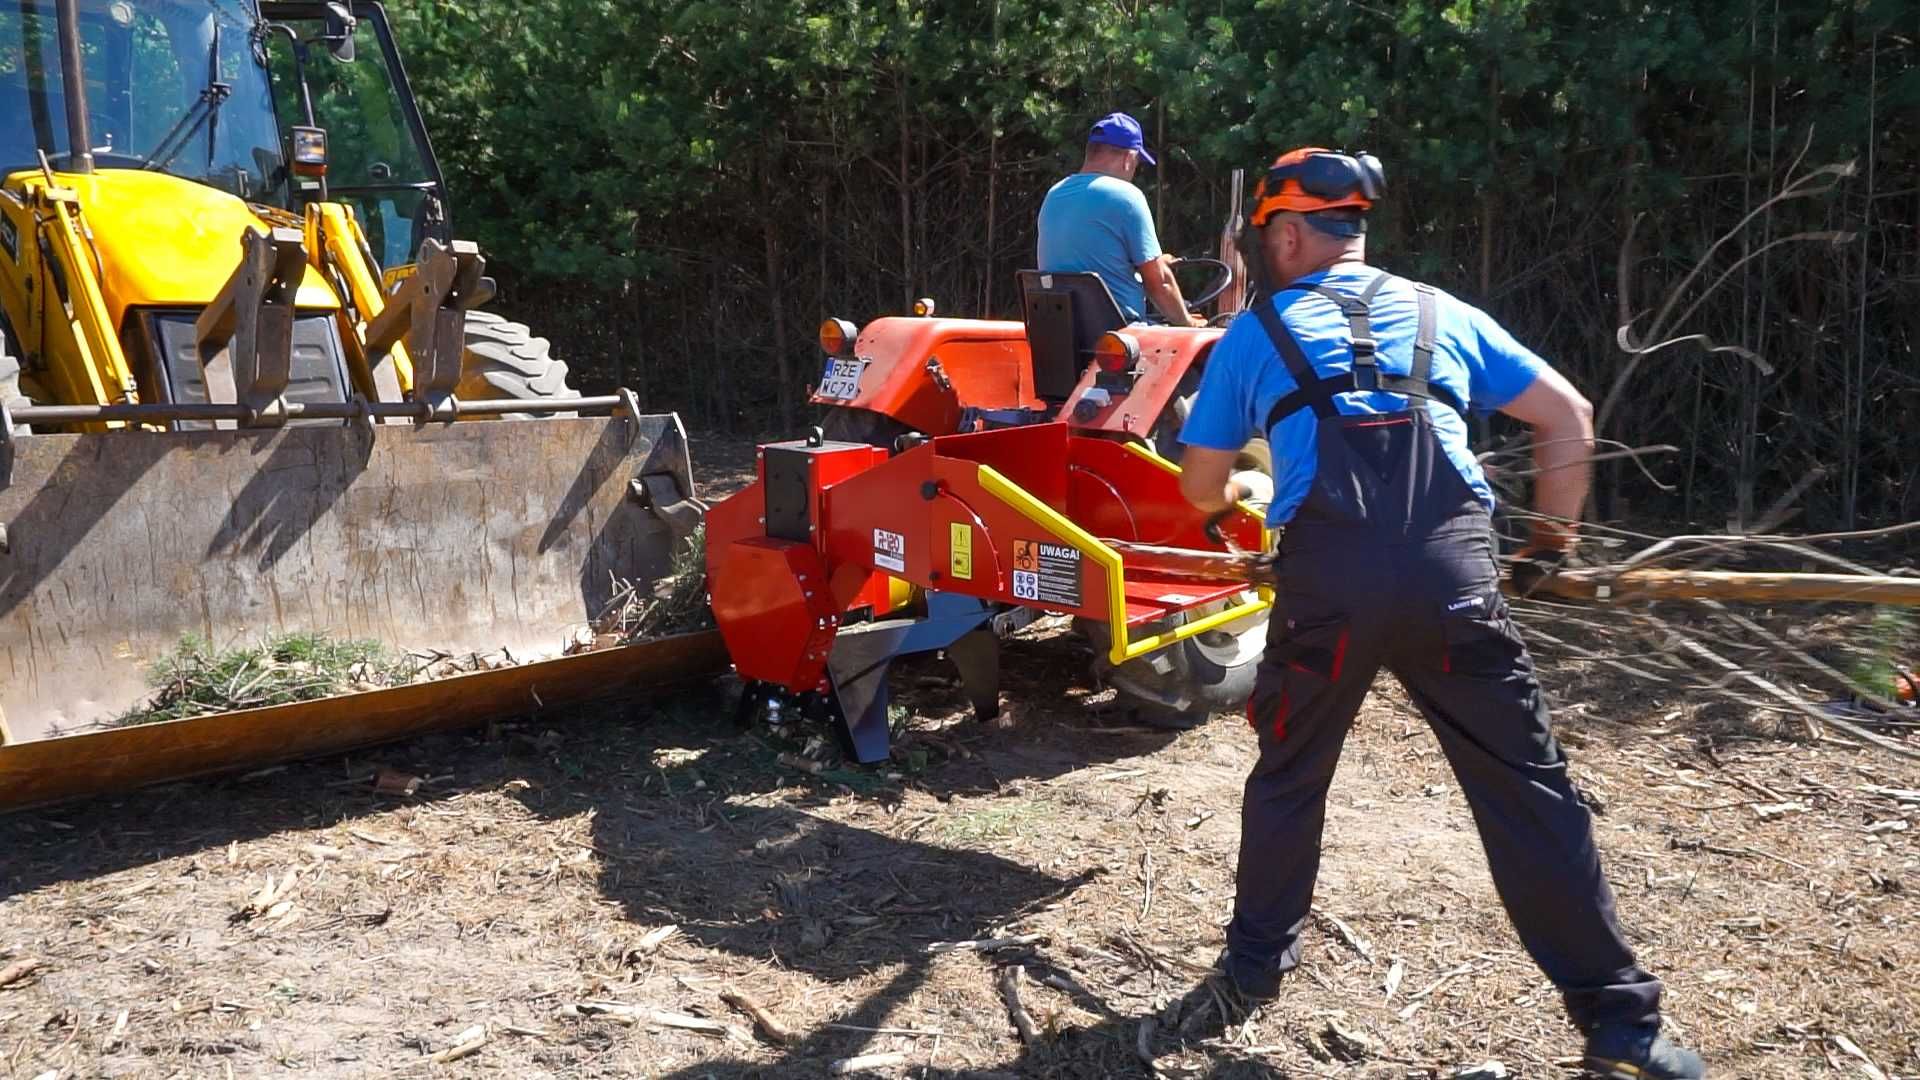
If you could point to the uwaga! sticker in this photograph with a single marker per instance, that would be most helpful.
(1046, 573)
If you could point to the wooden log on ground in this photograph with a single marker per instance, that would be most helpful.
(1603, 585)
(1599, 585)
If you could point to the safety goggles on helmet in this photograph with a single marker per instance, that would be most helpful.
(1314, 179)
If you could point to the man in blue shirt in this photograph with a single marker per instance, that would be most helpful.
(1361, 382)
(1096, 220)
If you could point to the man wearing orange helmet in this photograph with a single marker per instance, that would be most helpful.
(1361, 382)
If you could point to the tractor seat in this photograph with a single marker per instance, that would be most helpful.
(1066, 314)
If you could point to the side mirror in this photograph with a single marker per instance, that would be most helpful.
(339, 36)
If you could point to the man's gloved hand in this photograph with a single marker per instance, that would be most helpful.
(1215, 520)
(1531, 567)
(1245, 487)
(1265, 569)
(1546, 552)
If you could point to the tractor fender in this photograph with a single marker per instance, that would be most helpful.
(1131, 404)
(922, 372)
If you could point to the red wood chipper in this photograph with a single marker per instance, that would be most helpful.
(842, 556)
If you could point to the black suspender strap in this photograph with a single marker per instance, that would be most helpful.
(1309, 390)
(1316, 392)
(1418, 383)
(1423, 336)
(1359, 326)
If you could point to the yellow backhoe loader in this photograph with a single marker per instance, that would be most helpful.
(246, 389)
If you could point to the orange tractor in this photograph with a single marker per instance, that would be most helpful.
(1072, 359)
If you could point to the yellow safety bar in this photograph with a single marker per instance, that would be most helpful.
(1123, 648)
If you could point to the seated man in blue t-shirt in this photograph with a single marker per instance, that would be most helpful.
(1096, 220)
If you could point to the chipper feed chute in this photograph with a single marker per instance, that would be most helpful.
(470, 536)
(841, 557)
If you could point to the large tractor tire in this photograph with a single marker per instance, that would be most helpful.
(505, 360)
(10, 383)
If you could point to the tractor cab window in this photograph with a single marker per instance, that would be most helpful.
(175, 86)
(376, 159)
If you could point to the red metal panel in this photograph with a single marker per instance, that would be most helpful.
(1150, 597)
(1119, 494)
(775, 610)
(1029, 456)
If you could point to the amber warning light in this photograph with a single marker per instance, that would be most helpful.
(837, 337)
(1116, 352)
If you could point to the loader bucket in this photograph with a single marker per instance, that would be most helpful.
(458, 537)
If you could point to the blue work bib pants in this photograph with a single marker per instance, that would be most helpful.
(1389, 563)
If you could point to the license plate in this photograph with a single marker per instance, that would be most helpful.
(841, 380)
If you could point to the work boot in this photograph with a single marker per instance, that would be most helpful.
(1639, 1052)
(1256, 981)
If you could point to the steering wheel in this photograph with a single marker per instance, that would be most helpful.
(1219, 285)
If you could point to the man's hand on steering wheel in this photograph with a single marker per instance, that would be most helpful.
(1223, 279)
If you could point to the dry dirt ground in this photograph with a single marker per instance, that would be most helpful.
(577, 885)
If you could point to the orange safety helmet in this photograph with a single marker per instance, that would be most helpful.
(1315, 178)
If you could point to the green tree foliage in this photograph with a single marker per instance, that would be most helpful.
(678, 192)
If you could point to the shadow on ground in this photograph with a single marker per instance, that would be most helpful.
(696, 824)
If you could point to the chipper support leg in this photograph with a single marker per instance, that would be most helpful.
(862, 654)
(977, 654)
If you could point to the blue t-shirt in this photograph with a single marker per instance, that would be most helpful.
(1093, 222)
(1473, 356)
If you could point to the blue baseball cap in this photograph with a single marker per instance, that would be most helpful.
(1119, 129)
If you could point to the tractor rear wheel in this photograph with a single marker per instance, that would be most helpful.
(504, 359)
(1190, 680)
(1207, 673)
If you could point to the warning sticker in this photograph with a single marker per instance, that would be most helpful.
(960, 550)
(890, 551)
(1046, 573)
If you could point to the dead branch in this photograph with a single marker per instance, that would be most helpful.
(862, 1063)
(987, 944)
(769, 1025)
(1009, 983)
(20, 969)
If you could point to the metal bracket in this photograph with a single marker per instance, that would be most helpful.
(629, 409)
(660, 493)
(429, 312)
(363, 415)
(862, 654)
(245, 337)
